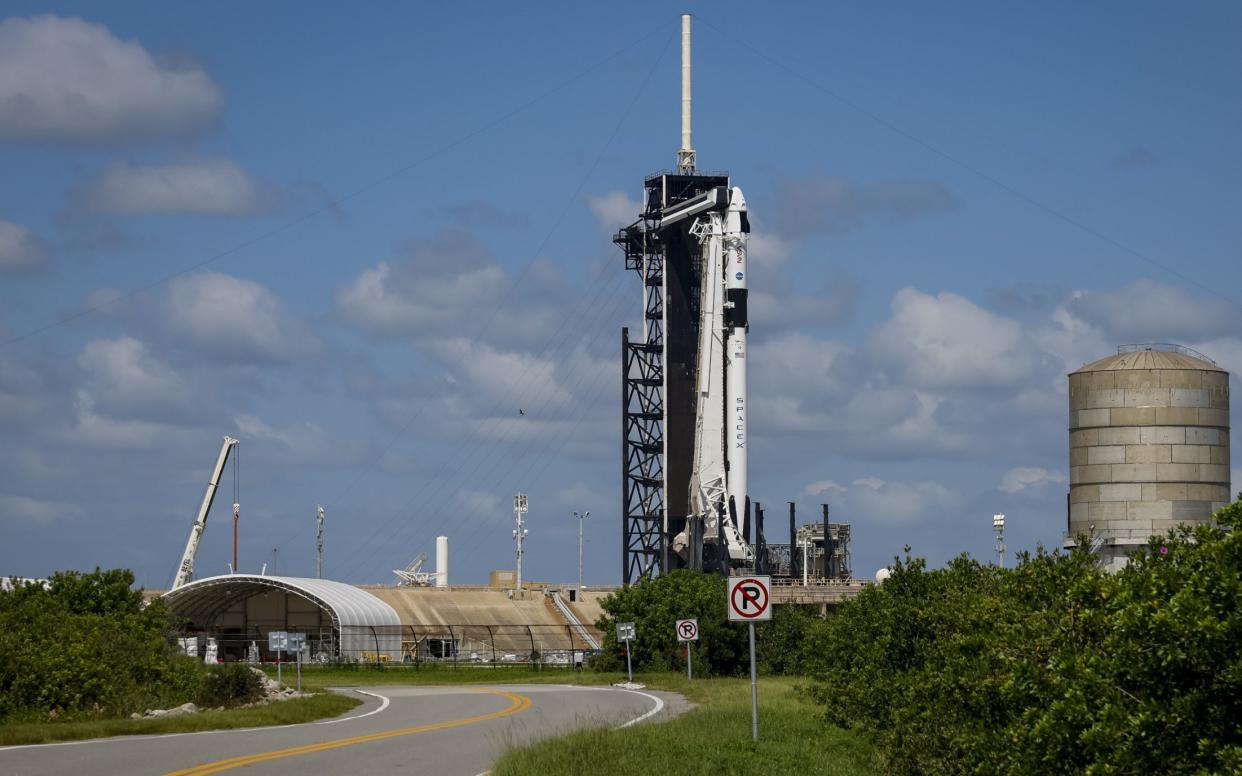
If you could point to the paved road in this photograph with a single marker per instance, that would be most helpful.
(449, 731)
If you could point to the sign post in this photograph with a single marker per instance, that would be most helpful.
(296, 642)
(625, 632)
(688, 631)
(278, 641)
(749, 600)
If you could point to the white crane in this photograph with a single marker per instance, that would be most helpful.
(186, 570)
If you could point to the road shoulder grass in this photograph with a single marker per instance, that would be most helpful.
(318, 706)
(712, 739)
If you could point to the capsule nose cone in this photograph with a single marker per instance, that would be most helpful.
(737, 200)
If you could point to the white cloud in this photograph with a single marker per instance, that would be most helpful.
(233, 319)
(1145, 310)
(70, 81)
(769, 311)
(875, 499)
(503, 375)
(123, 371)
(822, 486)
(94, 428)
(304, 441)
(798, 364)
(768, 250)
(20, 248)
(614, 209)
(948, 341)
(899, 502)
(447, 285)
(1022, 477)
(201, 186)
(384, 297)
(1225, 351)
(14, 508)
(1074, 341)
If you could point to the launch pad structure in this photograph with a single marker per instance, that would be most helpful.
(684, 451)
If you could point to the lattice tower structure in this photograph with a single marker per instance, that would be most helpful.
(659, 369)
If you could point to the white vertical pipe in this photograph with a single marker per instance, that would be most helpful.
(442, 562)
(685, 156)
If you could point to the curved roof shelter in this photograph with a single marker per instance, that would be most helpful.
(362, 622)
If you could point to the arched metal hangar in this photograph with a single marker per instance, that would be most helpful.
(239, 610)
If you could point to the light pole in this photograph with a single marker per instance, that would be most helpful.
(998, 525)
(582, 516)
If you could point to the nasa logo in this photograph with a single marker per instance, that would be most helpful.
(738, 276)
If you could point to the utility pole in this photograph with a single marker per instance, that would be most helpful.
(318, 542)
(582, 516)
(519, 533)
(998, 525)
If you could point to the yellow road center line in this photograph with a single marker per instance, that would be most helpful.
(519, 703)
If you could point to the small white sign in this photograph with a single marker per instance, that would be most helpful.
(749, 599)
(295, 641)
(278, 641)
(626, 631)
(687, 630)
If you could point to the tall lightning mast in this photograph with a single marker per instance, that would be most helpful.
(684, 403)
(685, 154)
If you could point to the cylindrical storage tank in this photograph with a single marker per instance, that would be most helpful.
(1149, 446)
(441, 561)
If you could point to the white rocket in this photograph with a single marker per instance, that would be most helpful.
(736, 228)
(718, 488)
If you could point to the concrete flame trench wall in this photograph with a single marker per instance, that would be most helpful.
(1149, 447)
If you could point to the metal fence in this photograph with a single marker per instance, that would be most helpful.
(436, 644)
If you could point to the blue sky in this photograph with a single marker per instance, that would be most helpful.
(362, 241)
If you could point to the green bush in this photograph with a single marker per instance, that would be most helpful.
(230, 684)
(1052, 667)
(655, 605)
(87, 645)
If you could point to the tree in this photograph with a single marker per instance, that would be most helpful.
(1055, 666)
(86, 643)
(655, 606)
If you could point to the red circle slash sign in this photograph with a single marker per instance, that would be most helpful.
(749, 598)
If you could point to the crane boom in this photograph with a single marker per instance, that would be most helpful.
(186, 569)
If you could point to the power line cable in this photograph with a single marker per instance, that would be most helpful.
(981, 174)
(486, 324)
(494, 454)
(528, 452)
(330, 206)
(594, 391)
(574, 197)
(465, 451)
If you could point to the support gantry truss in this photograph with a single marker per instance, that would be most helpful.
(644, 533)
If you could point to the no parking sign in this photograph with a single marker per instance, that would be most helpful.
(749, 600)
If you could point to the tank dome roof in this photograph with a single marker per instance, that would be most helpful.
(1143, 357)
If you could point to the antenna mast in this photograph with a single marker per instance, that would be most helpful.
(318, 542)
(685, 155)
(519, 533)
